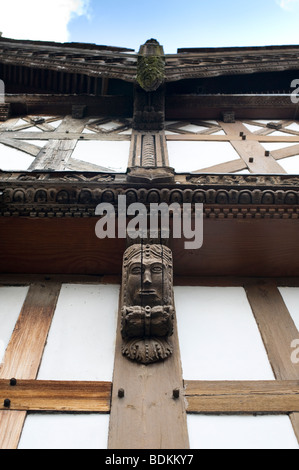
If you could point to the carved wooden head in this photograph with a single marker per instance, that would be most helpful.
(148, 275)
(148, 306)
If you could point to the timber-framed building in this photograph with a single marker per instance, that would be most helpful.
(146, 345)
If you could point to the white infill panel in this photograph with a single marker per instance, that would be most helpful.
(81, 340)
(14, 160)
(290, 165)
(192, 156)
(241, 432)
(290, 296)
(110, 155)
(65, 431)
(11, 302)
(219, 338)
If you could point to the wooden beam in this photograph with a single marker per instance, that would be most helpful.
(38, 395)
(11, 425)
(278, 331)
(285, 152)
(231, 137)
(54, 156)
(79, 165)
(25, 279)
(148, 417)
(242, 397)
(25, 349)
(26, 346)
(227, 167)
(25, 147)
(252, 152)
(294, 417)
(66, 136)
(277, 328)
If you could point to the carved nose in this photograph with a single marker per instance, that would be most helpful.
(147, 279)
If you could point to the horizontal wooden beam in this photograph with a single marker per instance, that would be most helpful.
(242, 397)
(38, 395)
(44, 136)
(27, 279)
(230, 137)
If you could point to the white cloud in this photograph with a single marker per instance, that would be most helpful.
(288, 4)
(40, 20)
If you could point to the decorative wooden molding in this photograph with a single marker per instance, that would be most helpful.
(64, 194)
(4, 111)
(151, 66)
(120, 63)
(149, 151)
(149, 110)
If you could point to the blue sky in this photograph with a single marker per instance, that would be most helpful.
(174, 23)
(199, 23)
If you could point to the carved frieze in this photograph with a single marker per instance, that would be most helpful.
(4, 111)
(77, 194)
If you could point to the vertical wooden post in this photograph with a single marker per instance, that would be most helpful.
(148, 408)
(148, 416)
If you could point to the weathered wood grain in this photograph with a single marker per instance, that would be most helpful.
(147, 417)
(38, 395)
(278, 331)
(252, 152)
(24, 352)
(242, 397)
(276, 326)
(11, 426)
(25, 349)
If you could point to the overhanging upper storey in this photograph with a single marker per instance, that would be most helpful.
(194, 83)
(121, 63)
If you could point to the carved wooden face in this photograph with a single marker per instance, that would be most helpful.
(148, 280)
(145, 282)
(148, 307)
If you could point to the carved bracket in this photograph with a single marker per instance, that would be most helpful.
(147, 311)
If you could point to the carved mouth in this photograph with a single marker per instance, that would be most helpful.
(147, 292)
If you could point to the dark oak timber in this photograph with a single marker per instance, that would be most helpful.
(231, 247)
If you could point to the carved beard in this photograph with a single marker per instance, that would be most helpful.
(145, 322)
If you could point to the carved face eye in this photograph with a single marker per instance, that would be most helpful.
(157, 269)
(137, 270)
